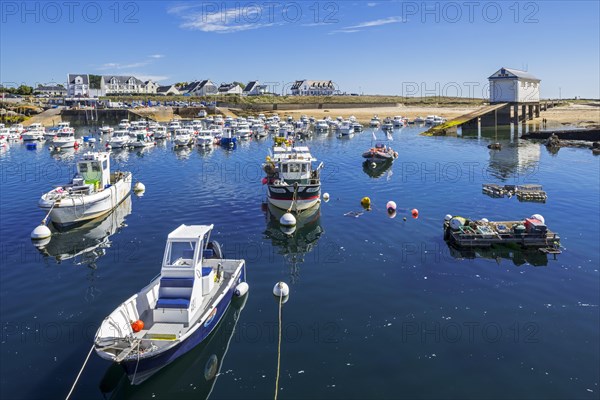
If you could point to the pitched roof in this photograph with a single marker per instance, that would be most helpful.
(313, 84)
(250, 86)
(165, 89)
(85, 78)
(122, 79)
(515, 72)
(194, 86)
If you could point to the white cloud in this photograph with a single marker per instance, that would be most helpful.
(368, 24)
(156, 56)
(371, 4)
(145, 76)
(223, 21)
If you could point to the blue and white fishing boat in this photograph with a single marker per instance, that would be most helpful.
(228, 139)
(177, 310)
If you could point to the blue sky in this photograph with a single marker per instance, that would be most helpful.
(375, 47)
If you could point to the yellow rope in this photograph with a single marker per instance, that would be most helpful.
(278, 347)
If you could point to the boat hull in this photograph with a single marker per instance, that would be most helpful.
(283, 196)
(76, 209)
(140, 370)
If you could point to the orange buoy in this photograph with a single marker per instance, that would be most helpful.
(137, 325)
(415, 213)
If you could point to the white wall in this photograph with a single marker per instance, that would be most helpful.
(503, 90)
(529, 91)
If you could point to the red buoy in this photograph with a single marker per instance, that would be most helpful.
(415, 213)
(137, 325)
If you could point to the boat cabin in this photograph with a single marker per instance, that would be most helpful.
(93, 169)
(182, 276)
(294, 164)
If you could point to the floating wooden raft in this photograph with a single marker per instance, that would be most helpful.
(485, 234)
(523, 192)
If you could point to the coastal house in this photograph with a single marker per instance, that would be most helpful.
(508, 85)
(230, 88)
(167, 90)
(254, 88)
(313, 88)
(199, 88)
(123, 84)
(51, 90)
(78, 85)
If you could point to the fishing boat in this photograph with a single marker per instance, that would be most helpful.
(173, 126)
(228, 139)
(322, 126)
(357, 126)
(380, 153)
(160, 132)
(292, 182)
(177, 310)
(15, 131)
(93, 191)
(183, 137)
(119, 139)
(142, 140)
(204, 139)
(398, 121)
(124, 124)
(243, 130)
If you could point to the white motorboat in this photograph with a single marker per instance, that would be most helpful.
(243, 130)
(205, 138)
(429, 119)
(292, 181)
(65, 140)
(322, 126)
(160, 132)
(419, 120)
(398, 121)
(106, 130)
(15, 131)
(387, 125)
(357, 127)
(182, 137)
(119, 139)
(258, 129)
(93, 191)
(124, 124)
(177, 310)
(35, 131)
(173, 126)
(437, 120)
(346, 128)
(142, 140)
(375, 122)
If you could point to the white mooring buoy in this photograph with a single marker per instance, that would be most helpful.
(281, 289)
(287, 219)
(326, 197)
(41, 232)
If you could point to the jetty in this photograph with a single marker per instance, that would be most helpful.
(527, 192)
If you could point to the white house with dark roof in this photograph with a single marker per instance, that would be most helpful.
(123, 84)
(167, 90)
(199, 88)
(307, 87)
(254, 88)
(508, 85)
(230, 88)
(51, 90)
(78, 85)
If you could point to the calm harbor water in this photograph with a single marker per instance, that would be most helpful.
(379, 307)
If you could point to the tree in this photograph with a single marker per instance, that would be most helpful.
(24, 90)
(95, 81)
(240, 84)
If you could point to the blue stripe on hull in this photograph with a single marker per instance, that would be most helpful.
(149, 366)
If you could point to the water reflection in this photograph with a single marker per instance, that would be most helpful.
(294, 243)
(85, 244)
(376, 170)
(520, 158)
(192, 376)
(517, 255)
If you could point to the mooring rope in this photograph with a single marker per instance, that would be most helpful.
(278, 348)
(137, 363)
(79, 374)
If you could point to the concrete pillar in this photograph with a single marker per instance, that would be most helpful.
(471, 125)
(530, 111)
(515, 114)
(488, 119)
(537, 110)
(523, 112)
(503, 115)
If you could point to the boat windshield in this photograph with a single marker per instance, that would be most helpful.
(180, 254)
